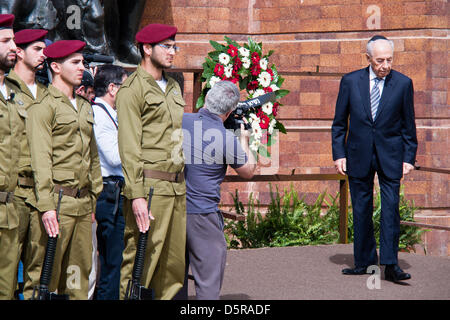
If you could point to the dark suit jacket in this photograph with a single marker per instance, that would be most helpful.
(393, 133)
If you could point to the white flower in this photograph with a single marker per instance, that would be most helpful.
(267, 108)
(224, 59)
(228, 70)
(256, 130)
(272, 124)
(264, 79)
(246, 63)
(254, 146)
(258, 92)
(263, 63)
(244, 51)
(253, 117)
(274, 87)
(213, 81)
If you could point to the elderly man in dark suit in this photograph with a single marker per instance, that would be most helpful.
(374, 131)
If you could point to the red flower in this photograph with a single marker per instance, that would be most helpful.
(237, 64)
(255, 58)
(255, 69)
(267, 90)
(275, 107)
(269, 71)
(232, 51)
(253, 85)
(264, 119)
(219, 70)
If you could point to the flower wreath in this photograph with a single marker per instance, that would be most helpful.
(246, 66)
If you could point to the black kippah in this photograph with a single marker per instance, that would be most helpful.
(377, 37)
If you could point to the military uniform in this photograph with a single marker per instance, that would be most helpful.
(64, 156)
(24, 198)
(150, 147)
(11, 127)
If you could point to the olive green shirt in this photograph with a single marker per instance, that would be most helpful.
(11, 128)
(24, 99)
(63, 151)
(150, 133)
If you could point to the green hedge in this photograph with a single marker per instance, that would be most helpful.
(290, 221)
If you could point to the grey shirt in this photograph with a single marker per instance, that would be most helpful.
(208, 149)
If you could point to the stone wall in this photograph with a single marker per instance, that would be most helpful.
(330, 36)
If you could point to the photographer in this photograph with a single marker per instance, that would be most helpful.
(205, 170)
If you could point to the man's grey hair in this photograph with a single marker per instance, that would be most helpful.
(222, 97)
(370, 44)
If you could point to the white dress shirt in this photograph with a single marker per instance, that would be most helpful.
(106, 135)
(372, 77)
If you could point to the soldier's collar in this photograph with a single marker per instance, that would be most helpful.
(13, 76)
(54, 91)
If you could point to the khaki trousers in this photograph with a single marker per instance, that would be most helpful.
(31, 245)
(9, 239)
(165, 252)
(73, 257)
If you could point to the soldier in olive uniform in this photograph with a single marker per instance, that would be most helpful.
(64, 157)
(150, 109)
(30, 57)
(10, 130)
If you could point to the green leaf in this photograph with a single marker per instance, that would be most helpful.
(253, 46)
(243, 84)
(280, 127)
(217, 46)
(280, 82)
(281, 93)
(208, 74)
(200, 101)
(210, 63)
(230, 41)
(214, 55)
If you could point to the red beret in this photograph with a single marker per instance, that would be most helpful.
(6, 21)
(29, 35)
(63, 48)
(154, 33)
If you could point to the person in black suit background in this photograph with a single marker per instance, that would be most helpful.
(374, 131)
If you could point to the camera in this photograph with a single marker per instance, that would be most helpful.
(235, 119)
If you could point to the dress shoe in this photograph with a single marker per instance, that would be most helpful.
(355, 271)
(395, 274)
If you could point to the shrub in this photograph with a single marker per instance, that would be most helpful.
(290, 221)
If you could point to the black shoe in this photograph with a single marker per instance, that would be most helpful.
(355, 271)
(395, 274)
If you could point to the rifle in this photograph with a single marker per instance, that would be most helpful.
(42, 292)
(136, 291)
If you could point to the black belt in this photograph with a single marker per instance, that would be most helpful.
(114, 179)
